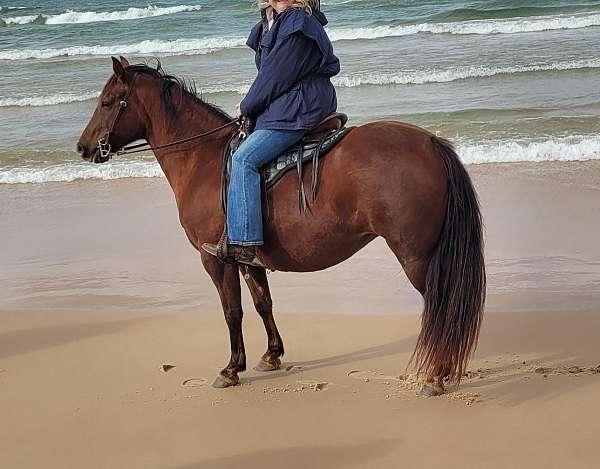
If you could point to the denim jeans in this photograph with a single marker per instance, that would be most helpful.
(244, 211)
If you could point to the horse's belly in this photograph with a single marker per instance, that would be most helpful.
(310, 252)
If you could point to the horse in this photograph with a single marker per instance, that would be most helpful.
(386, 178)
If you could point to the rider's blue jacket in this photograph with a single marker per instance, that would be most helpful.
(295, 62)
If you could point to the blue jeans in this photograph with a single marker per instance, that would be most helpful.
(244, 211)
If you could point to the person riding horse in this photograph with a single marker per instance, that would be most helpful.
(290, 95)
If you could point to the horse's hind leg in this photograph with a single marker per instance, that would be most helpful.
(227, 280)
(256, 278)
(415, 269)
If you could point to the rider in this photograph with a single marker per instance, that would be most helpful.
(291, 94)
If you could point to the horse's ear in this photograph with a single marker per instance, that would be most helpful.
(118, 68)
(124, 61)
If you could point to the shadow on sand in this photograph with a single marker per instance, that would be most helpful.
(313, 457)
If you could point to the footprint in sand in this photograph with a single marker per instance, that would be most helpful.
(373, 375)
(194, 382)
(313, 385)
(567, 370)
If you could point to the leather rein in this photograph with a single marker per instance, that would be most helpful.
(104, 146)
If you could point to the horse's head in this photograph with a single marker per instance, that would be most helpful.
(116, 120)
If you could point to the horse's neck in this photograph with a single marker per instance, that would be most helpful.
(196, 162)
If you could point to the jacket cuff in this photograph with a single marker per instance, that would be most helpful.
(245, 109)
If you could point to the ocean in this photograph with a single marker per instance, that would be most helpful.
(506, 80)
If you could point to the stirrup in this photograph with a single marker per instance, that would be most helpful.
(222, 252)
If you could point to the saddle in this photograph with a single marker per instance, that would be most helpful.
(315, 144)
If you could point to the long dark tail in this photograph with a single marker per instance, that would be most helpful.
(456, 281)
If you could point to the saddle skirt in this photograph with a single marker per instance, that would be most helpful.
(310, 149)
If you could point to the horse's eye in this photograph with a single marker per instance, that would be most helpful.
(106, 103)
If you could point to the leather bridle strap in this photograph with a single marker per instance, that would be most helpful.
(138, 148)
(104, 145)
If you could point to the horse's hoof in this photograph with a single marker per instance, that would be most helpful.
(430, 391)
(222, 381)
(264, 365)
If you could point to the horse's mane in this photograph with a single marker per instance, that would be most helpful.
(186, 87)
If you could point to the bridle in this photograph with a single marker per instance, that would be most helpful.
(105, 148)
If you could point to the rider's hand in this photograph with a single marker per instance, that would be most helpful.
(238, 111)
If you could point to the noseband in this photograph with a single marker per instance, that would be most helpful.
(104, 146)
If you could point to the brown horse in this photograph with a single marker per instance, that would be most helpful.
(384, 179)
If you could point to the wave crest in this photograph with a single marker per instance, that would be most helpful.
(420, 77)
(573, 148)
(175, 47)
(511, 26)
(75, 17)
(69, 172)
(50, 100)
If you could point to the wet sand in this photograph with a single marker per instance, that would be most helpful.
(117, 245)
(100, 289)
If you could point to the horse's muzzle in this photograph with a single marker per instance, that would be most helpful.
(93, 156)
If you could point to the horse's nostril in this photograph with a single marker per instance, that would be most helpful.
(79, 148)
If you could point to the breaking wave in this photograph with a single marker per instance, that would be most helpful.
(500, 26)
(418, 77)
(457, 73)
(73, 17)
(68, 172)
(50, 100)
(175, 47)
(575, 148)
(207, 45)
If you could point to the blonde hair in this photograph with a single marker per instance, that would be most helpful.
(306, 5)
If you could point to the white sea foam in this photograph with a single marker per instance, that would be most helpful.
(208, 45)
(175, 47)
(49, 100)
(68, 172)
(349, 81)
(418, 77)
(575, 148)
(70, 16)
(498, 26)
(5, 8)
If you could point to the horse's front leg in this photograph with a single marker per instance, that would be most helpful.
(256, 278)
(227, 280)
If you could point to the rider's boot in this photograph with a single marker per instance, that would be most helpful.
(231, 253)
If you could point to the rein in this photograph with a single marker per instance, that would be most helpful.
(105, 148)
(139, 147)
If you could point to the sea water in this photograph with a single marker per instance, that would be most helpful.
(506, 80)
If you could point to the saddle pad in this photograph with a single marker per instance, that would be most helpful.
(304, 151)
(288, 160)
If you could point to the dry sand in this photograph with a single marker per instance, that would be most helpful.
(100, 290)
(86, 390)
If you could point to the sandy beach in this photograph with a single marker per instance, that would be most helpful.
(111, 333)
(101, 290)
(87, 390)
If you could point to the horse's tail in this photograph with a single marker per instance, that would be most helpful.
(456, 282)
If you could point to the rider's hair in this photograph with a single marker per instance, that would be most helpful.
(306, 5)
